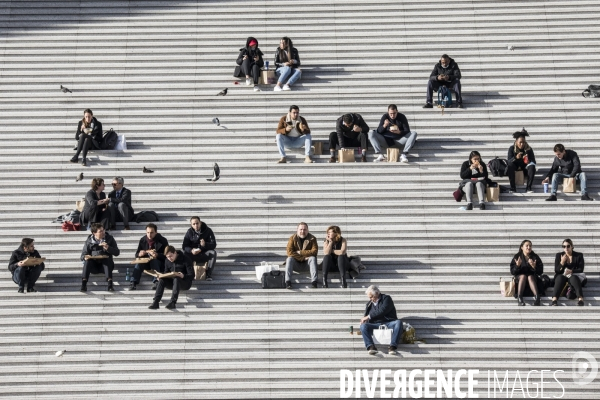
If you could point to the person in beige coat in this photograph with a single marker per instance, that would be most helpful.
(293, 132)
(302, 249)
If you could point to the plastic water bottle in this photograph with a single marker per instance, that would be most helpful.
(545, 188)
(127, 277)
(267, 65)
(445, 101)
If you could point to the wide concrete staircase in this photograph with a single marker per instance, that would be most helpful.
(151, 70)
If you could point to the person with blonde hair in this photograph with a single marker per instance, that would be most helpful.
(334, 249)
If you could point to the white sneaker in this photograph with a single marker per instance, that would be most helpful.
(380, 158)
(248, 81)
(256, 89)
(277, 88)
(403, 158)
(286, 87)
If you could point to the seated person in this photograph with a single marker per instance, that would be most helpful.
(88, 135)
(526, 266)
(22, 274)
(250, 61)
(302, 249)
(393, 130)
(334, 249)
(445, 73)
(293, 132)
(182, 266)
(152, 245)
(99, 243)
(199, 245)
(287, 62)
(351, 130)
(95, 208)
(567, 264)
(380, 310)
(120, 204)
(566, 165)
(521, 158)
(474, 175)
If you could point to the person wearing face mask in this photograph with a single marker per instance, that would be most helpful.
(302, 250)
(351, 130)
(199, 245)
(526, 266)
(567, 265)
(95, 208)
(99, 243)
(88, 136)
(152, 245)
(334, 249)
(293, 132)
(566, 165)
(22, 274)
(393, 131)
(287, 62)
(250, 61)
(474, 175)
(521, 158)
(445, 73)
(183, 268)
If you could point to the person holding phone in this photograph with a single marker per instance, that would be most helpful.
(474, 175)
(526, 266)
(521, 158)
(293, 133)
(95, 208)
(250, 61)
(334, 248)
(99, 244)
(567, 265)
(445, 73)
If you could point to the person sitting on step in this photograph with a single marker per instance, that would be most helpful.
(22, 274)
(99, 244)
(351, 130)
(526, 266)
(301, 249)
(393, 131)
(334, 249)
(474, 175)
(287, 61)
(88, 136)
(566, 165)
(95, 208)
(568, 264)
(199, 245)
(380, 310)
(250, 61)
(120, 204)
(152, 245)
(521, 158)
(293, 132)
(445, 73)
(179, 264)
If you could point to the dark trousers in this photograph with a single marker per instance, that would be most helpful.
(331, 261)
(119, 212)
(105, 266)
(251, 68)
(156, 265)
(561, 280)
(361, 140)
(100, 216)
(27, 275)
(84, 144)
(435, 85)
(209, 256)
(529, 172)
(176, 284)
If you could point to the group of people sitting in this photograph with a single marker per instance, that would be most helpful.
(107, 210)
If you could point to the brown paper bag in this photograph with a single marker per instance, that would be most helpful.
(569, 185)
(79, 205)
(492, 193)
(267, 77)
(200, 271)
(519, 178)
(507, 289)
(317, 148)
(393, 154)
(346, 156)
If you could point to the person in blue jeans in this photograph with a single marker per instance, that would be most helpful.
(566, 165)
(293, 132)
(287, 62)
(22, 274)
(380, 310)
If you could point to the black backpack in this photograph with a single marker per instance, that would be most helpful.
(145, 216)
(498, 167)
(109, 140)
(591, 91)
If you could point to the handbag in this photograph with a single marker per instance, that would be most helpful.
(264, 268)
(68, 226)
(507, 289)
(383, 335)
(458, 195)
(79, 204)
(200, 271)
(273, 280)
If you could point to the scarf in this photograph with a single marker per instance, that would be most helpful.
(295, 132)
(526, 148)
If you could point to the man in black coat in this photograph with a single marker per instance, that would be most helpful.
(393, 131)
(152, 245)
(566, 165)
(98, 244)
(380, 310)
(199, 245)
(178, 263)
(250, 61)
(22, 274)
(120, 204)
(445, 73)
(351, 130)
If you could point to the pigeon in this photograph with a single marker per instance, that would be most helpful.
(79, 178)
(216, 172)
(222, 92)
(59, 353)
(511, 48)
(147, 171)
(65, 89)
(216, 121)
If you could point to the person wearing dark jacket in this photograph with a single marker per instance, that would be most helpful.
(88, 135)
(335, 256)
(566, 165)
(199, 245)
(120, 204)
(177, 263)
(152, 245)
(521, 158)
(380, 310)
(102, 244)
(22, 274)
(393, 131)
(351, 130)
(474, 175)
(250, 61)
(95, 208)
(287, 61)
(526, 266)
(568, 264)
(445, 73)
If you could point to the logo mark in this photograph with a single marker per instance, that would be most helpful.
(585, 368)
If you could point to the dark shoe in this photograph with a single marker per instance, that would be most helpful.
(521, 302)
(314, 284)
(482, 206)
(392, 350)
(363, 158)
(83, 286)
(74, 160)
(171, 306)
(288, 285)
(154, 285)
(84, 162)
(554, 302)
(585, 197)
(132, 286)
(127, 228)
(551, 198)
(325, 284)
(536, 301)
(372, 350)
(344, 283)
(459, 105)
(469, 206)
(31, 290)
(112, 228)
(110, 287)
(428, 105)
(331, 160)
(21, 290)
(154, 306)
(580, 303)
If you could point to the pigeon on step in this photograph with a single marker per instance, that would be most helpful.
(147, 171)
(222, 92)
(79, 178)
(511, 48)
(216, 173)
(65, 89)
(216, 121)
